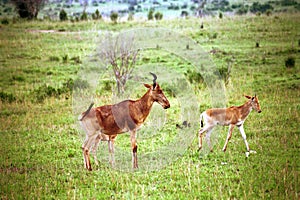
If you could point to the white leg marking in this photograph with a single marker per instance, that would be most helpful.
(241, 128)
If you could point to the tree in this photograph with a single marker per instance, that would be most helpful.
(114, 17)
(63, 16)
(28, 9)
(120, 54)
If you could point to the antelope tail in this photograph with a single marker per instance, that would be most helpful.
(86, 112)
(201, 120)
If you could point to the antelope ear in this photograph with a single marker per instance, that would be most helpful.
(147, 85)
(248, 97)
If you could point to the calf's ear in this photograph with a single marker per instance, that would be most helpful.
(147, 85)
(248, 97)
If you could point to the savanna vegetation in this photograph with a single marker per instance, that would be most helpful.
(41, 155)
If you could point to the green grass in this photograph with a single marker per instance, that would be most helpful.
(40, 141)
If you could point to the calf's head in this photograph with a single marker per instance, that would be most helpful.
(254, 103)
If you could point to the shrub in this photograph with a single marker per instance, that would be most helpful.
(96, 15)
(54, 58)
(269, 12)
(63, 15)
(44, 91)
(257, 7)
(290, 62)
(130, 17)
(5, 21)
(28, 9)
(150, 14)
(220, 15)
(194, 77)
(84, 16)
(76, 60)
(79, 84)
(114, 17)
(184, 13)
(242, 10)
(7, 97)
(65, 58)
(158, 15)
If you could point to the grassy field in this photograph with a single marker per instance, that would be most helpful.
(40, 141)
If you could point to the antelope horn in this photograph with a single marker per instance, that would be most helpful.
(154, 79)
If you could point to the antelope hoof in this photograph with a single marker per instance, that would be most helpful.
(252, 152)
(247, 154)
(224, 149)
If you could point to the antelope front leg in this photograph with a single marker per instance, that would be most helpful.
(208, 133)
(228, 137)
(200, 139)
(111, 150)
(241, 128)
(134, 150)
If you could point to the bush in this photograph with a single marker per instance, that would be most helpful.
(5, 21)
(47, 91)
(194, 77)
(76, 60)
(184, 13)
(130, 17)
(150, 14)
(28, 9)
(290, 62)
(65, 58)
(257, 7)
(269, 12)
(84, 16)
(96, 15)
(220, 15)
(242, 10)
(7, 97)
(114, 17)
(54, 58)
(63, 16)
(158, 15)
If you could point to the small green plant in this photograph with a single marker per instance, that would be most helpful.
(65, 58)
(54, 59)
(76, 59)
(63, 16)
(290, 62)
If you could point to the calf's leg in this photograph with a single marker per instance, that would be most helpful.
(228, 137)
